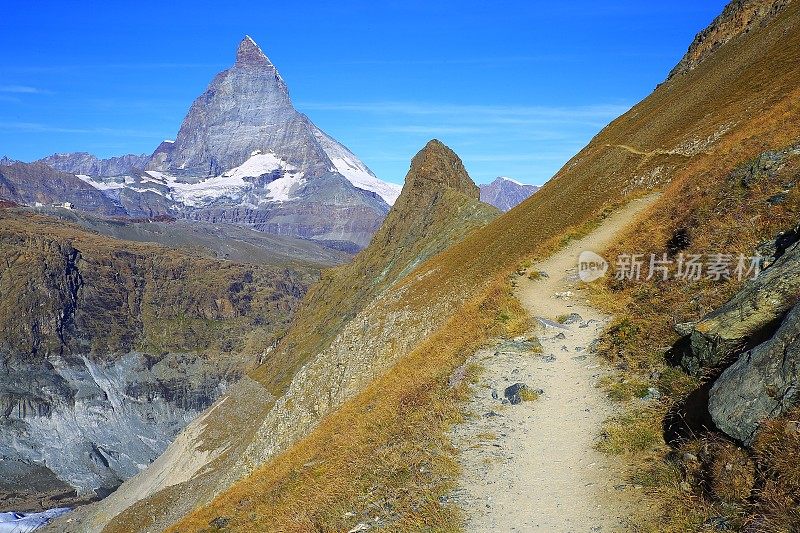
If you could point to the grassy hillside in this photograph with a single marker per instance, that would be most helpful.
(76, 292)
(383, 452)
(439, 207)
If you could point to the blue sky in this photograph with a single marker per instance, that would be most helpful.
(515, 88)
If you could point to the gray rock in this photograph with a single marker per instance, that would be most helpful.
(761, 384)
(772, 249)
(652, 394)
(220, 522)
(515, 392)
(684, 328)
(573, 318)
(751, 311)
(547, 323)
(778, 198)
(521, 344)
(560, 336)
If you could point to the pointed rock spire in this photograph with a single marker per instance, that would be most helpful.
(438, 166)
(250, 54)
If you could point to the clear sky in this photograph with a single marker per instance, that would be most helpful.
(515, 88)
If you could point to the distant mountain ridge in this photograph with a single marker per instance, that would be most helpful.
(88, 164)
(505, 193)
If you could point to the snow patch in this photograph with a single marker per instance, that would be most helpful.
(108, 184)
(232, 184)
(511, 180)
(356, 172)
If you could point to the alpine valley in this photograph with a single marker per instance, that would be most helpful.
(247, 330)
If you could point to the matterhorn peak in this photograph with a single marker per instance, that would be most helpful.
(249, 53)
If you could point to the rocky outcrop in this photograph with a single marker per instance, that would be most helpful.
(738, 17)
(505, 193)
(87, 164)
(745, 319)
(762, 384)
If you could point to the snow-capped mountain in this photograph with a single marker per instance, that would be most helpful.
(505, 193)
(244, 154)
(245, 123)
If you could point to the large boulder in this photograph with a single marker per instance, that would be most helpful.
(761, 384)
(745, 320)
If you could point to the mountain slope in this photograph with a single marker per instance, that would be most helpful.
(738, 17)
(331, 350)
(214, 241)
(384, 452)
(726, 111)
(505, 193)
(31, 183)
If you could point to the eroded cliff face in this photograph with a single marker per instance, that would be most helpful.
(109, 348)
(95, 424)
(738, 17)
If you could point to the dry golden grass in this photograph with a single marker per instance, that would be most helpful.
(384, 454)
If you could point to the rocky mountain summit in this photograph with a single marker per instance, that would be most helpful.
(243, 155)
(505, 193)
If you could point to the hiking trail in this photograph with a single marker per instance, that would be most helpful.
(533, 466)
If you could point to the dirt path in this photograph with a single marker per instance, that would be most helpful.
(533, 466)
(647, 155)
